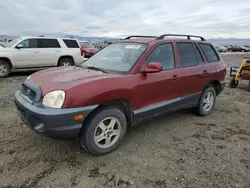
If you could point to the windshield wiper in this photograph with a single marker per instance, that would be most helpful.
(96, 68)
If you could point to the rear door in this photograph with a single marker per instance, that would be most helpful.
(192, 72)
(49, 52)
(156, 92)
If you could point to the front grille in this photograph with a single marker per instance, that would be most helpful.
(28, 92)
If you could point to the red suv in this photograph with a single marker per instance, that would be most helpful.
(123, 84)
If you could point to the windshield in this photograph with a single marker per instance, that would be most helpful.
(9, 44)
(119, 57)
(86, 45)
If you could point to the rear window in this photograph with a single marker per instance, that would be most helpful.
(48, 43)
(71, 43)
(209, 53)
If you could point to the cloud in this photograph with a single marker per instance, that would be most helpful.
(116, 18)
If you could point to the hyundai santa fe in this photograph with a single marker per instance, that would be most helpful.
(127, 82)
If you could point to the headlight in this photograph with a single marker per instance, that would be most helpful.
(54, 99)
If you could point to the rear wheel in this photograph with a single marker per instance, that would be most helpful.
(103, 131)
(207, 102)
(65, 62)
(4, 69)
(234, 83)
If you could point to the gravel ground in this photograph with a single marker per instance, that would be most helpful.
(180, 150)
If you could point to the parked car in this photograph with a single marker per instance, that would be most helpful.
(221, 49)
(87, 49)
(96, 101)
(234, 48)
(38, 52)
(1, 45)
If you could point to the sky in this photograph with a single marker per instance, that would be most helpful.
(120, 18)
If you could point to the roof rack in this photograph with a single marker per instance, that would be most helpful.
(139, 36)
(180, 35)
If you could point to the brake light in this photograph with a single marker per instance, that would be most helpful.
(81, 51)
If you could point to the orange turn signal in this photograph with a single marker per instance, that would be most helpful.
(78, 117)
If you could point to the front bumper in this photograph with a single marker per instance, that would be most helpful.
(54, 123)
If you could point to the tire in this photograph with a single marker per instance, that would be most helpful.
(233, 83)
(5, 69)
(208, 93)
(65, 62)
(91, 130)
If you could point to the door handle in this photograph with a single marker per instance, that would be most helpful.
(205, 72)
(175, 77)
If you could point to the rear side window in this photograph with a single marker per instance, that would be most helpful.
(187, 54)
(48, 43)
(209, 53)
(71, 43)
(164, 54)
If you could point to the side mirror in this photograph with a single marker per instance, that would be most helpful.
(19, 46)
(152, 67)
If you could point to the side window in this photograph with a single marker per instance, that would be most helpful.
(187, 54)
(29, 43)
(48, 43)
(71, 43)
(164, 54)
(198, 54)
(209, 53)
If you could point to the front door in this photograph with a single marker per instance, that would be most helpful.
(156, 92)
(27, 55)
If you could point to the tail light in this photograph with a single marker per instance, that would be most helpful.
(81, 51)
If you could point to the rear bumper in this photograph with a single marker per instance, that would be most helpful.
(54, 123)
(222, 86)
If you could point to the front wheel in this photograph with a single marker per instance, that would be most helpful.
(103, 131)
(4, 69)
(207, 102)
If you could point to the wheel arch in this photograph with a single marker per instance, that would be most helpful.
(121, 104)
(215, 84)
(65, 56)
(7, 60)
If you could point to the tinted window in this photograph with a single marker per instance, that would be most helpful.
(198, 54)
(48, 43)
(187, 54)
(29, 43)
(163, 54)
(71, 43)
(209, 52)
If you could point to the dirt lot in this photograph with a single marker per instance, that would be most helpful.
(180, 150)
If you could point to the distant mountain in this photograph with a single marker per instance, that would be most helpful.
(236, 41)
(92, 38)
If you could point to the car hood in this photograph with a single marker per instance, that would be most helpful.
(65, 77)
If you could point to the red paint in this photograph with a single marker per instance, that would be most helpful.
(88, 51)
(88, 87)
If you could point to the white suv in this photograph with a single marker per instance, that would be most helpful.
(38, 52)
